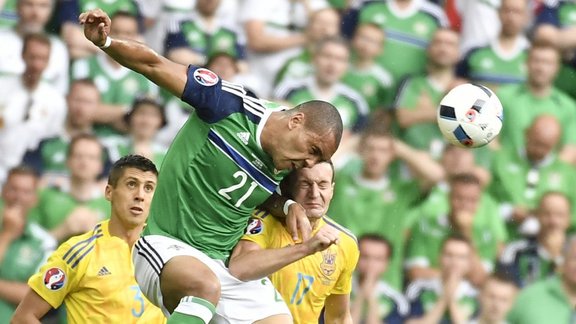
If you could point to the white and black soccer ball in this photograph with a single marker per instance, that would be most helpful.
(470, 115)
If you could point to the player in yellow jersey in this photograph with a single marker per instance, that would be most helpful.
(93, 274)
(311, 275)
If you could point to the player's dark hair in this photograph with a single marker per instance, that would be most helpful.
(464, 178)
(287, 184)
(81, 137)
(375, 130)
(321, 118)
(375, 237)
(455, 237)
(35, 37)
(130, 161)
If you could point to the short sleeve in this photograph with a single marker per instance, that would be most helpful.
(344, 283)
(56, 279)
(258, 230)
(212, 98)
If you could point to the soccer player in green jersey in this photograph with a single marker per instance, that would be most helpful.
(227, 159)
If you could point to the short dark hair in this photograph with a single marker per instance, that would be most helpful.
(375, 130)
(83, 136)
(502, 277)
(22, 170)
(339, 40)
(287, 184)
(321, 117)
(35, 37)
(130, 161)
(375, 237)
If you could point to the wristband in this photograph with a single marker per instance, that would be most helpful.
(107, 43)
(287, 205)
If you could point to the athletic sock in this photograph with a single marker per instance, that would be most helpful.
(192, 310)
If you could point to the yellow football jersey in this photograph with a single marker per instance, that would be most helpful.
(306, 283)
(93, 275)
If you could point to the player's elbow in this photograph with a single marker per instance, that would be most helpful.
(239, 271)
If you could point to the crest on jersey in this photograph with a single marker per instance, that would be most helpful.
(54, 279)
(205, 77)
(328, 265)
(255, 227)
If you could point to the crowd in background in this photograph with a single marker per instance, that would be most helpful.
(446, 234)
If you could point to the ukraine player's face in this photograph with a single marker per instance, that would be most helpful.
(314, 188)
(130, 199)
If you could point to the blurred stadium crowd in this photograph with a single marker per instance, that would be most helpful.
(446, 234)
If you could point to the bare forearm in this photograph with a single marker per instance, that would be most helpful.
(12, 292)
(258, 264)
(457, 316)
(373, 312)
(260, 41)
(407, 117)
(422, 273)
(275, 205)
(134, 55)
(108, 114)
(421, 163)
(341, 318)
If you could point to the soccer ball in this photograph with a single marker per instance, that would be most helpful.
(470, 115)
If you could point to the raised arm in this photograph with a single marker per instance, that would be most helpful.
(134, 55)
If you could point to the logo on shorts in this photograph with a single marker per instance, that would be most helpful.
(205, 77)
(255, 227)
(54, 279)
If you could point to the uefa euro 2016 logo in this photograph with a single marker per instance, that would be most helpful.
(54, 279)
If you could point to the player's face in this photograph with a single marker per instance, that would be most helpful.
(82, 102)
(543, 64)
(302, 148)
(85, 160)
(20, 189)
(374, 257)
(36, 58)
(496, 300)
(455, 258)
(331, 62)
(554, 214)
(444, 48)
(34, 14)
(464, 198)
(314, 188)
(377, 153)
(324, 23)
(145, 122)
(368, 41)
(130, 198)
(513, 16)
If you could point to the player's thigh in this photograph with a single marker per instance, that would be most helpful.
(186, 275)
(167, 270)
(276, 319)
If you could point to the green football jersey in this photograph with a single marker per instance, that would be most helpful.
(297, 67)
(407, 34)
(489, 66)
(350, 104)
(521, 107)
(423, 136)
(377, 206)
(55, 205)
(22, 259)
(215, 172)
(374, 83)
(207, 41)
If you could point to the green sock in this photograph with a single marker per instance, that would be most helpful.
(192, 310)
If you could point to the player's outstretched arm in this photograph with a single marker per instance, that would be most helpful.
(31, 309)
(250, 262)
(132, 54)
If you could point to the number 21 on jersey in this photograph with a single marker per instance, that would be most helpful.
(243, 177)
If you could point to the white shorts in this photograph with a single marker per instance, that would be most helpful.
(240, 301)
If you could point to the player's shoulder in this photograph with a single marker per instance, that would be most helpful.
(78, 249)
(262, 222)
(347, 237)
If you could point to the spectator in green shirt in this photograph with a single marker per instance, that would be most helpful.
(550, 300)
(521, 177)
(24, 245)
